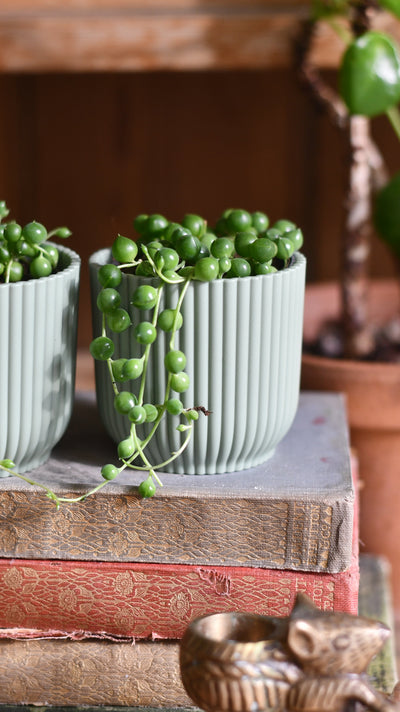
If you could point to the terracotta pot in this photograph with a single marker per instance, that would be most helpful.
(373, 396)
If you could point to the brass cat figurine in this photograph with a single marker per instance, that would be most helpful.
(311, 661)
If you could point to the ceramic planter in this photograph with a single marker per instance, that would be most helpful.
(242, 339)
(373, 398)
(38, 326)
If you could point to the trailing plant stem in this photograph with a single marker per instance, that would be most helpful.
(140, 445)
(341, 31)
(148, 465)
(148, 347)
(177, 310)
(49, 492)
(8, 271)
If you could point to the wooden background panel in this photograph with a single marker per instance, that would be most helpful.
(94, 150)
(9, 136)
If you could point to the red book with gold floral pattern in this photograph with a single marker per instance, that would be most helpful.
(150, 600)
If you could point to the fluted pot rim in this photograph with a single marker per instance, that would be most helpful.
(298, 260)
(75, 262)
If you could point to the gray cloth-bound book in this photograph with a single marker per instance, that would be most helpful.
(293, 512)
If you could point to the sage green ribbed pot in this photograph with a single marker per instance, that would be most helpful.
(242, 339)
(38, 327)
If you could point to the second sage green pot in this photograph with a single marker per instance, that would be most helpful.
(38, 327)
(242, 339)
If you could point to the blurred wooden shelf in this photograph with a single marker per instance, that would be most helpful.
(147, 35)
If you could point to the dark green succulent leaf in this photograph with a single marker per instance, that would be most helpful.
(322, 9)
(369, 76)
(391, 5)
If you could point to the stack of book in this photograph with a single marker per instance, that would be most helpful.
(95, 597)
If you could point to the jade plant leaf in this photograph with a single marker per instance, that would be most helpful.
(369, 77)
(391, 5)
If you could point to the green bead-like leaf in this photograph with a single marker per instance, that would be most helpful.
(4, 211)
(9, 464)
(62, 232)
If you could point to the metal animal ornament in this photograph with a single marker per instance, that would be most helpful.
(311, 661)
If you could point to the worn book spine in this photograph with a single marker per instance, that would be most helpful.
(146, 674)
(293, 512)
(110, 527)
(65, 672)
(55, 598)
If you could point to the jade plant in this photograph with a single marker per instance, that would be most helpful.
(368, 85)
(24, 250)
(241, 244)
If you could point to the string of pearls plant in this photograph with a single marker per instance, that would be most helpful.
(241, 244)
(25, 251)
